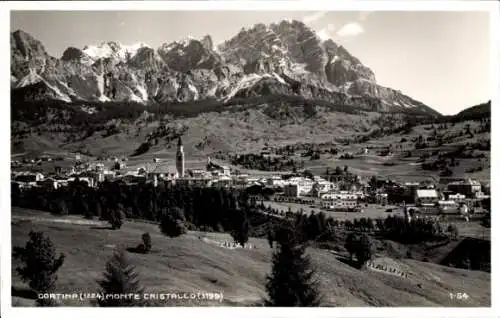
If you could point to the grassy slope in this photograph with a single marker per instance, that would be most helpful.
(406, 168)
(229, 131)
(189, 264)
(249, 131)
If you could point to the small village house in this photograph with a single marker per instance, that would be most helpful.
(468, 187)
(448, 207)
(427, 200)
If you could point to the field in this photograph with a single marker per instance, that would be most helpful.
(372, 211)
(189, 264)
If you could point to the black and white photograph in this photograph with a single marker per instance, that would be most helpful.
(250, 158)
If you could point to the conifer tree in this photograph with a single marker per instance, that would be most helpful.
(172, 222)
(240, 226)
(364, 249)
(40, 264)
(291, 282)
(120, 278)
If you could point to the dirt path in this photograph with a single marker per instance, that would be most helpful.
(55, 220)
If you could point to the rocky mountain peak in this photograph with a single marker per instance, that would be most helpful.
(286, 57)
(72, 53)
(26, 45)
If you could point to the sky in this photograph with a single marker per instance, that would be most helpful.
(440, 58)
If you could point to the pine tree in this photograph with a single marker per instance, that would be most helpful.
(291, 283)
(116, 217)
(146, 241)
(40, 264)
(172, 222)
(120, 278)
(351, 244)
(240, 226)
(270, 237)
(364, 249)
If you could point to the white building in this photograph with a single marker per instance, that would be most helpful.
(339, 201)
(298, 186)
(199, 173)
(275, 181)
(167, 172)
(448, 206)
(457, 197)
(426, 196)
(468, 187)
(321, 186)
(26, 176)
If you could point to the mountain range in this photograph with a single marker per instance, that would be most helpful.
(286, 58)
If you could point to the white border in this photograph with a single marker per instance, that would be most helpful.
(492, 6)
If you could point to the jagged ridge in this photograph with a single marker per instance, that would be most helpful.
(283, 58)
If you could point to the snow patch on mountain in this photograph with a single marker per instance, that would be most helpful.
(59, 94)
(132, 49)
(100, 84)
(100, 51)
(245, 82)
(68, 89)
(135, 98)
(104, 98)
(105, 50)
(279, 78)
(194, 90)
(144, 93)
(30, 79)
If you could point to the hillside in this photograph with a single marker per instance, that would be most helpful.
(285, 58)
(212, 129)
(191, 263)
(474, 112)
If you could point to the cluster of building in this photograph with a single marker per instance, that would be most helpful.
(457, 196)
(156, 171)
(450, 196)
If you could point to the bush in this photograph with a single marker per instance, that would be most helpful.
(116, 218)
(60, 208)
(453, 232)
(145, 246)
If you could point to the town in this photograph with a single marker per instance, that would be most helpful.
(338, 192)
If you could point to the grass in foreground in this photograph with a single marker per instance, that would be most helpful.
(188, 264)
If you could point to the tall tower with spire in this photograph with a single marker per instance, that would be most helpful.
(406, 213)
(179, 158)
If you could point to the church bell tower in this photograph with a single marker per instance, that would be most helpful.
(179, 158)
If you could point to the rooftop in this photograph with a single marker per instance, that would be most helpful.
(427, 193)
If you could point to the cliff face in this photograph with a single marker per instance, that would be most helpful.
(284, 58)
